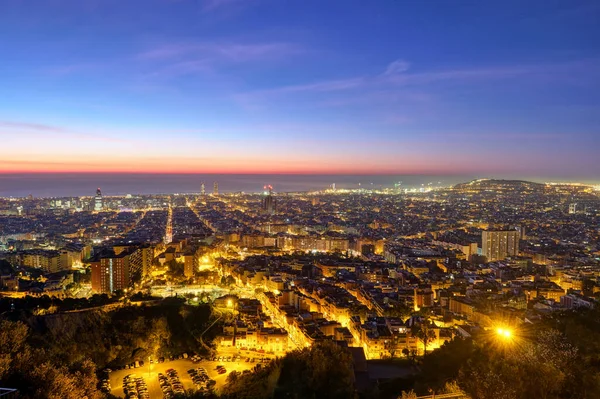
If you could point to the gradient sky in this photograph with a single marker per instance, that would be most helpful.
(503, 88)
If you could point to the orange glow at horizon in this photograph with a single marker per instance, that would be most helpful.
(238, 165)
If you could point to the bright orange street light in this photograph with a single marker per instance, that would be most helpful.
(504, 333)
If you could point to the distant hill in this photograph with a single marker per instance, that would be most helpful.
(498, 184)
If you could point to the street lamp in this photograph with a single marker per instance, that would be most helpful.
(504, 333)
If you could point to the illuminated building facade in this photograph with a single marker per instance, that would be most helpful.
(111, 273)
(98, 206)
(190, 263)
(268, 204)
(498, 245)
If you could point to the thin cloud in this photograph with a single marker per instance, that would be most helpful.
(177, 59)
(495, 136)
(397, 74)
(331, 85)
(31, 126)
(457, 75)
(70, 69)
(180, 68)
(248, 100)
(213, 5)
(36, 163)
(244, 52)
(167, 51)
(44, 130)
(223, 50)
(397, 66)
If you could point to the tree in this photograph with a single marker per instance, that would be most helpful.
(59, 383)
(36, 373)
(397, 309)
(408, 395)
(444, 364)
(531, 369)
(321, 371)
(175, 269)
(232, 377)
(424, 330)
(13, 336)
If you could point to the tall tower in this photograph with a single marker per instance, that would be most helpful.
(202, 190)
(98, 201)
(268, 202)
(216, 188)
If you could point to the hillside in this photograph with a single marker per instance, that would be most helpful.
(499, 185)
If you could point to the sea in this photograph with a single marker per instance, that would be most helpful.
(85, 184)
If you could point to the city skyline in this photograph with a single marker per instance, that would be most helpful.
(262, 87)
(327, 199)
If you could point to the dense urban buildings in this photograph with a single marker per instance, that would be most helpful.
(387, 273)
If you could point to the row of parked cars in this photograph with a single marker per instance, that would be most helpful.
(170, 384)
(201, 379)
(162, 359)
(238, 358)
(135, 387)
(258, 360)
(227, 358)
(221, 369)
(105, 384)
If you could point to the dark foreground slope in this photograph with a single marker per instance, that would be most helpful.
(57, 355)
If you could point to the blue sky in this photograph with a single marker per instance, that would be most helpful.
(505, 88)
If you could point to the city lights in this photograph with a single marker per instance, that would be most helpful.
(299, 199)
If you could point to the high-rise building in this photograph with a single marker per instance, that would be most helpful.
(499, 244)
(216, 188)
(48, 260)
(190, 263)
(98, 201)
(268, 204)
(110, 272)
(140, 258)
(202, 189)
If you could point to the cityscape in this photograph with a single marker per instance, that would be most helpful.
(389, 275)
(263, 199)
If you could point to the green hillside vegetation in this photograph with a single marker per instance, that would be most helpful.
(557, 358)
(54, 353)
(324, 370)
(58, 355)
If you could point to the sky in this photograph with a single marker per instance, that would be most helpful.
(493, 88)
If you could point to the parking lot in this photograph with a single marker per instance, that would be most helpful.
(149, 373)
